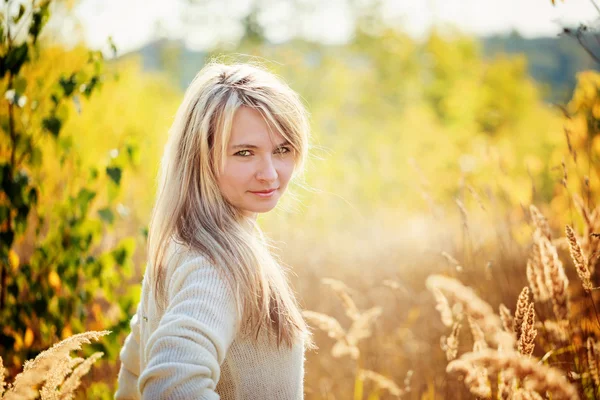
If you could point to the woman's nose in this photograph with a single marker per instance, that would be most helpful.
(267, 170)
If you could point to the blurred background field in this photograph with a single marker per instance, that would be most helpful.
(428, 151)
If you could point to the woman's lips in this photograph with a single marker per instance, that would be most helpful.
(264, 193)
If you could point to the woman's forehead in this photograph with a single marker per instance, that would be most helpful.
(249, 128)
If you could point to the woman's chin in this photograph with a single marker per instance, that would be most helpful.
(264, 207)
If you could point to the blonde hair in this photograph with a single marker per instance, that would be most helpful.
(191, 210)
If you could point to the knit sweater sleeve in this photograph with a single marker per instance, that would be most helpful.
(130, 363)
(185, 352)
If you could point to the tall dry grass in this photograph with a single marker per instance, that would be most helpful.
(565, 367)
(53, 374)
(539, 341)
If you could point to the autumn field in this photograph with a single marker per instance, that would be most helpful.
(444, 242)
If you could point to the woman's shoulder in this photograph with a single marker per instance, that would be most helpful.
(177, 254)
(184, 262)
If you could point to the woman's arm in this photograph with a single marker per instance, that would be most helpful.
(130, 363)
(187, 349)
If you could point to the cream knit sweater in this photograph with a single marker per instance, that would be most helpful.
(194, 350)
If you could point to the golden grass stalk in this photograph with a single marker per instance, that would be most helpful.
(60, 370)
(362, 327)
(450, 259)
(479, 342)
(523, 394)
(473, 306)
(381, 382)
(326, 323)
(443, 307)
(556, 279)
(346, 341)
(583, 210)
(463, 213)
(528, 332)
(408, 380)
(67, 389)
(534, 281)
(450, 345)
(592, 358)
(476, 197)
(540, 222)
(334, 330)
(537, 377)
(475, 377)
(580, 261)
(520, 311)
(537, 280)
(2, 377)
(589, 242)
(342, 348)
(507, 319)
(342, 291)
(40, 369)
(506, 384)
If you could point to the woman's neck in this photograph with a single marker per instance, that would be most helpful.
(248, 221)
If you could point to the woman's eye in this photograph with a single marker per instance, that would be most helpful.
(243, 153)
(282, 150)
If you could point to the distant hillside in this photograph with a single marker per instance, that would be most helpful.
(552, 61)
(173, 57)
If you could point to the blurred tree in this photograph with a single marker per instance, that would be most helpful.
(55, 267)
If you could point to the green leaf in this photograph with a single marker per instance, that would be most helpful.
(120, 255)
(35, 158)
(16, 57)
(7, 238)
(115, 174)
(68, 84)
(4, 212)
(33, 196)
(20, 84)
(4, 123)
(21, 219)
(38, 20)
(91, 85)
(107, 215)
(112, 45)
(4, 176)
(84, 197)
(52, 125)
(93, 173)
(14, 188)
(133, 152)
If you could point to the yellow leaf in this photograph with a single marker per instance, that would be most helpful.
(54, 280)
(96, 310)
(18, 345)
(28, 337)
(13, 259)
(596, 110)
(66, 332)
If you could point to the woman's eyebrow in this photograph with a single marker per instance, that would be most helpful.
(252, 146)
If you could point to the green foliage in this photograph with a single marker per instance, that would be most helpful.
(55, 265)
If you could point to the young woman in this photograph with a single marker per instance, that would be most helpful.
(217, 318)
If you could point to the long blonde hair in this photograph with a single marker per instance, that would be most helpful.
(191, 210)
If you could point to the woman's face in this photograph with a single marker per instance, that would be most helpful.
(258, 165)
